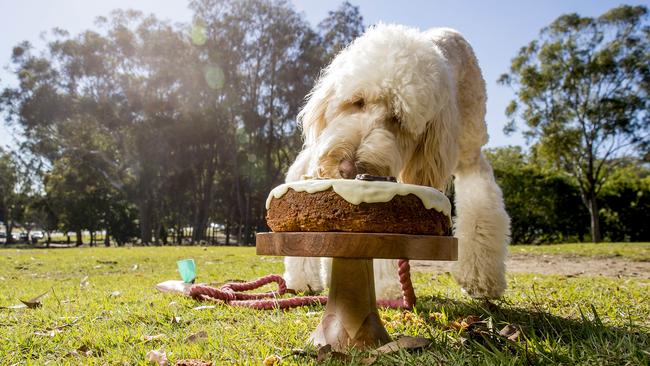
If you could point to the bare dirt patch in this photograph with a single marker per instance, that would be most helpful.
(557, 264)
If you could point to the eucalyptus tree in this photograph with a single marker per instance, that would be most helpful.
(8, 196)
(582, 91)
(185, 124)
(261, 50)
(340, 27)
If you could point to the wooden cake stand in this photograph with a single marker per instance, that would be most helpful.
(351, 317)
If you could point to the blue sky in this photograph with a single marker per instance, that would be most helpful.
(495, 29)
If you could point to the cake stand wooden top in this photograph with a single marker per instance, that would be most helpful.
(358, 245)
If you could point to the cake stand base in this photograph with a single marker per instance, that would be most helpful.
(351, 318)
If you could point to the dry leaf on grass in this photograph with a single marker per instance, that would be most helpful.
(300, 352)
(193, 362)
(48, 333)
(81, 351)
(437, 317)
(511, 331)
(115, 294)
(84, 282)
(271, 360)
(157, 356)
(406, 343)
(148, 338)
(35, 302)
(135, 267)
(196, 336)
(325, 353)
(465, 323)
(177, 286)
(203, 307)
(51, 332)
(84, 350)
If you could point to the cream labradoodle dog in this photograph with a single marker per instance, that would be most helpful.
(410, 104)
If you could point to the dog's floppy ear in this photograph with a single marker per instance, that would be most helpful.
(436, 154)
(312, 115)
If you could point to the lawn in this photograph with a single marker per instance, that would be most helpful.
(106, 317)
(631, 251)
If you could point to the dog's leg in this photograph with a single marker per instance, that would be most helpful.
(387, 286)
(303, 274)
(482, 227)
(325, 271)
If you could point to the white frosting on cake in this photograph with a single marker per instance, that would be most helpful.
(357, 191)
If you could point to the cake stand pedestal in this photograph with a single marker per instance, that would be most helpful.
(351, 317)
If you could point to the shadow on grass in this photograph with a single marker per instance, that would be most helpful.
(544, 338)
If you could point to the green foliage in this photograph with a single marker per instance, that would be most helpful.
(7, 184)
(626, 204)
(545, 206)
(582, 91)
(183, 125)
(13, 197)
(340, 27)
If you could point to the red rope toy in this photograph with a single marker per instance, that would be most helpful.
(231, 294)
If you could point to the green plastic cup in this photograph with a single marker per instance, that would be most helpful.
(187, 269)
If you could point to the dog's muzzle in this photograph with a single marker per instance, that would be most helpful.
(348, 169)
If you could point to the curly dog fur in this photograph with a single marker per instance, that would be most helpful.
(409, 104)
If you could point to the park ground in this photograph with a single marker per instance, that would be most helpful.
(566, 304)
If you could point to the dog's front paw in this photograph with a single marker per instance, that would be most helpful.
(388, 290)
(303, 274)
(302, 286)
(387, 285)
(482, 287)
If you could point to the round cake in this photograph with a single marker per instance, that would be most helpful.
(358, 206)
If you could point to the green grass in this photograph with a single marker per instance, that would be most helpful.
(631, 251)
(563, 320)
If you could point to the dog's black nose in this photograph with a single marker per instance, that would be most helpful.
(347, 169)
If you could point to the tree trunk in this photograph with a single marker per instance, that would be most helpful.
(107, 238)
(10, 227)
(156, 235)
(595, 221)
(80, 241)
(144, 211)
(247, 222)
(227, 228)
(199, 225)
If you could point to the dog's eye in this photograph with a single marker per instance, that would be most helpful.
(359, 103)
(394, 120)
